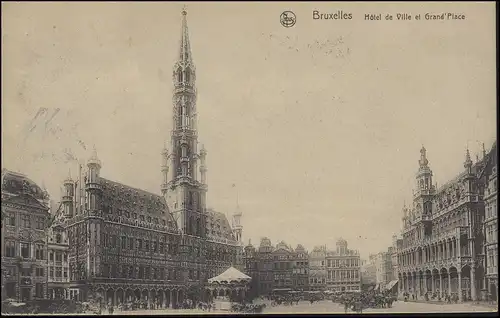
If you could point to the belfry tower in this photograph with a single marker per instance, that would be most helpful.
(185, 194)
(422, 196)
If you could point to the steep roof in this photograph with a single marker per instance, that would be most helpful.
(14, 183)
(218, 225)
(147, 205)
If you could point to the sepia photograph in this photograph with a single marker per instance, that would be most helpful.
(164, 158)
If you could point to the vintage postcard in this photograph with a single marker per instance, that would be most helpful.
(227, 157)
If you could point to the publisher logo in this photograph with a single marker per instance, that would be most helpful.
(288, 19)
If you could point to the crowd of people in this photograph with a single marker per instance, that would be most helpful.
(446, 296)
(366, 299)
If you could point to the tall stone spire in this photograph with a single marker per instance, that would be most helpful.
(185, 48)
(184, 193)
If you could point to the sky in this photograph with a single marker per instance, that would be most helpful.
(319, 125)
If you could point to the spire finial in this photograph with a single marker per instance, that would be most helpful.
(423, 157)
(184, 10)
(484, 151)
(468, 161)
(94, 159)
(185, 49)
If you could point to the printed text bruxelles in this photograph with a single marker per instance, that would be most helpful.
(339, 15)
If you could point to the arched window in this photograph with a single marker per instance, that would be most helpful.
(188, 75)
(179, 75)
(58, 238)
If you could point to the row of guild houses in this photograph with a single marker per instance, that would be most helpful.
(449, 235)
(277, 267)
(118, 243)
(280, 267)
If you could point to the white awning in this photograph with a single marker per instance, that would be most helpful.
(230, 275)
(391, 284)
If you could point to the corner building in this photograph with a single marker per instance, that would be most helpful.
(25, 211)
(131, 245)
(442, 248)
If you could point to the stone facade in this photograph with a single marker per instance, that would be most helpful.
(442, 248)
(317, 263)
(25, 214)
(131, 245)
(369, 273)
(343, 268)
(383, 264)
(491, 227)
(58, 274)
(279, 267)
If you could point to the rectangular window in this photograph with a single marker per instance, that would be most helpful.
(10, 248)
(162, 247)
(131, 244)
(25, 250)
(51, 272)
(39, 272)
(39, 290)
(11, 219)
(146, 245)
(113, 241)
(155, 246)
(26, 272)
(40, 223)
(58, 272)
(105, 240)
(25, 221)
(124, 242)
(39, 252)
(51, 256)
(139, 244)
(58, 257)
(65, 273)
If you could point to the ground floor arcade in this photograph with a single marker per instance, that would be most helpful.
(468, 283)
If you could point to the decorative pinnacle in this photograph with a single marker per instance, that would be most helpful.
(68, 178)
(164, 151)
(94, 159)
(423, 158)
(203, 151)
(468, 161)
